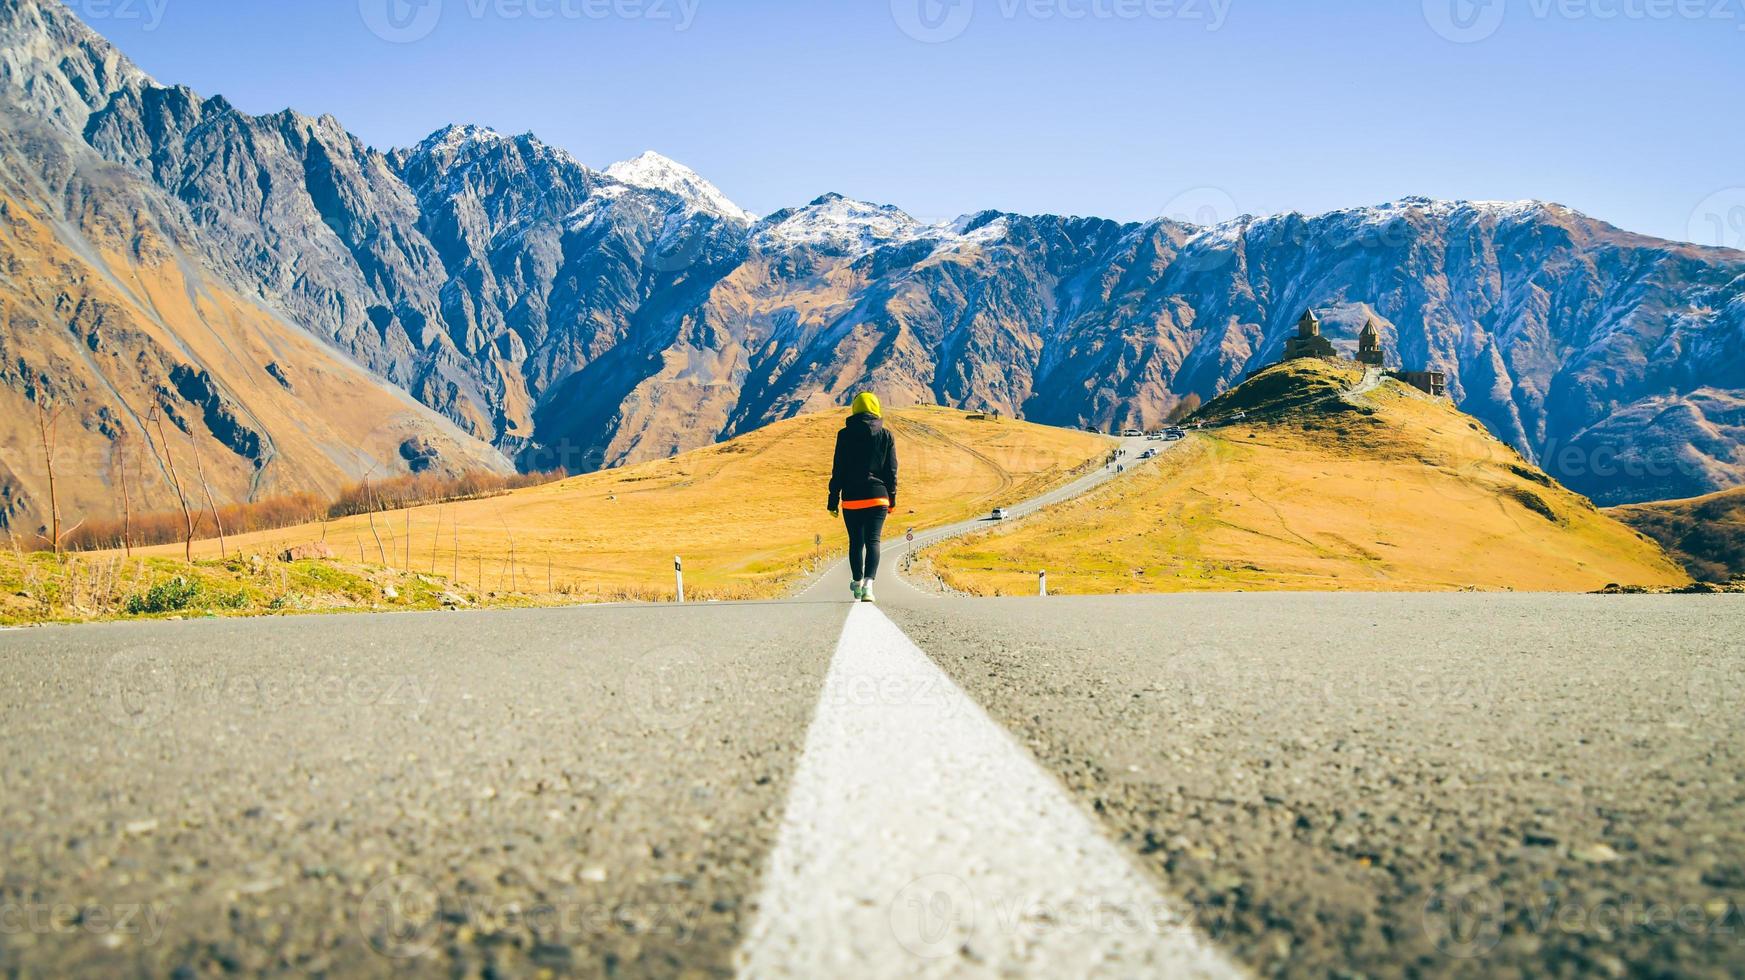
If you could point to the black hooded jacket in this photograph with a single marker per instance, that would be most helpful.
(866, 462)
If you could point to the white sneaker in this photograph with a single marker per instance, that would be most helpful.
(866, 592)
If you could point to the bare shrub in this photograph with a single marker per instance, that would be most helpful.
(289, 510)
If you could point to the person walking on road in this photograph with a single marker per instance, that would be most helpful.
(863, 488)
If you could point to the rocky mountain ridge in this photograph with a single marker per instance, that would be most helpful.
(582, 318)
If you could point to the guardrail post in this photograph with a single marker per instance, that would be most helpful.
(1042, 583)
(679, 575)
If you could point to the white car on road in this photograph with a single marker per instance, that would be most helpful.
(999, 514)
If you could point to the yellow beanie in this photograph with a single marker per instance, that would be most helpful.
(867, 403)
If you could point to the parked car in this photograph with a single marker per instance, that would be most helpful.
(1174, 434)
(1131, 433)
(1000, 514)
(1149, 453)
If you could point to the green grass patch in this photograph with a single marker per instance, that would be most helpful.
(40, 588)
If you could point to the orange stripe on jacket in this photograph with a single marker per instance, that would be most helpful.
(865, 504)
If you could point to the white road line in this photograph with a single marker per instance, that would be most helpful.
(920, 840)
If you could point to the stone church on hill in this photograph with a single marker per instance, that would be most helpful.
(1369, 346)
(1309, 342)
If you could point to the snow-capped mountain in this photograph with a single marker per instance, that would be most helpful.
(842, 226)
(652, 171)
(582, 318)
(838, 225)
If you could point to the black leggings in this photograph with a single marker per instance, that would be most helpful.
(865, 528)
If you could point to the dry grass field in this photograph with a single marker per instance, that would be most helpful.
(747, 515)
(1706, 534)
(1388, 490)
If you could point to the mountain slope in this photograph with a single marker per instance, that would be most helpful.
(54, 67)
(111, 311)
(106, 320)
(1319, 490)
(580, 318)
(1706, 535)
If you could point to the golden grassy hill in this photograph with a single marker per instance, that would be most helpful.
(1705, 534)
(1318, 490)
(744, 514)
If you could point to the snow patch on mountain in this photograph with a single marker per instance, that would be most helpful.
(834, 223)
(456, 137)
(652, 171)
(1369, 218)
(985, 233)
(845, 226)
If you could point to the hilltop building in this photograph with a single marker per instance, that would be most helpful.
(1369, 345)
(1308, 342)
(1433, 383)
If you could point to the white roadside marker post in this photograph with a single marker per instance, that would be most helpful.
(679, 576)
(1042, 583)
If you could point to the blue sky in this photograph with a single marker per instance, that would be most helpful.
(1628, 110)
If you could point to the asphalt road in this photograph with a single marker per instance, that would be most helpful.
(589, 790)
(1456, 785)
(1441, 785)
